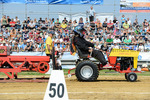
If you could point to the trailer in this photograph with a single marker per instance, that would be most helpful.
(11, 65)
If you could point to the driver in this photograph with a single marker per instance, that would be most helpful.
(85, 46)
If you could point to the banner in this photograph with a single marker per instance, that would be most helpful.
(1, 1)
(14, 1)
(54, 1)
(37, 1)
(134, 5)
(87, 2)
(59, 1)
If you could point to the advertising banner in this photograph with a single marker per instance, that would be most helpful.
(134, 5)
(54, 1)
(1, 1)
(37, 1)
(87, 2)
(14, 1)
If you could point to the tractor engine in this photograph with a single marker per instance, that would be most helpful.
(126, 62)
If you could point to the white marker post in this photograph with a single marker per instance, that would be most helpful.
(56, 88)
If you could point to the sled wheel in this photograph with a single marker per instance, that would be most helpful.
(43, 67)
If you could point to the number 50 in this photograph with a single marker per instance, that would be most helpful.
(52, 88)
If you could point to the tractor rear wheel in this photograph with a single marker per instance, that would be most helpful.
(86, 71)
(132, 77)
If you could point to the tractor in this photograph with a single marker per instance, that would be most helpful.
(120, 60)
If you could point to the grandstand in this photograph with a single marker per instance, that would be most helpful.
(21, 35)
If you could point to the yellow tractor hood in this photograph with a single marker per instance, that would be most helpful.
(125, 53)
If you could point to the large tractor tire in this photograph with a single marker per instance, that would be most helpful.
(132, 77)
(86, 71)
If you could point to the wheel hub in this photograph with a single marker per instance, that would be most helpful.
(132, 77)
(86, 71)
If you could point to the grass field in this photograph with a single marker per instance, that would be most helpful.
(102, 72)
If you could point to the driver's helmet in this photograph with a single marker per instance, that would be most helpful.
(79, 30)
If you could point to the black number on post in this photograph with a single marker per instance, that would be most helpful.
(52, 89)
(60, 95)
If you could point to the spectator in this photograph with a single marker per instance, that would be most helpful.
(29, 46)
(123, 19)
(92, 26)
(95, 39)
(13, 33)
(117, 40)
(141, 40)
(126, 25)
(129, 22)
(35, 22)
(16, 20)
(49, 45)
(12, 23)
(110, 25)
(23, 45)
(117, 31)
(92, 14)
(141, 47)
(44, 26)
(31, 25)
(24, 23)
(65, 20)
(15, 48)
(134, 41)
(1, 38)
(127, 41)
(115, 46)
(81, 22)
(109, 40)
(105, 25)
(28, 20)
(104, 48)
(98, 24)
(4, 21)
(63, 25)
(135, 23)
(46, 21)
(69, 25)
(115, 20)
(74, 24)
(51, 25)
(57, 23)
(18, 25)
(8, 20)
(6, 34)
(97, 45)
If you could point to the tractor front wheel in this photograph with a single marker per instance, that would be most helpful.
(132, 77)
(86, 71)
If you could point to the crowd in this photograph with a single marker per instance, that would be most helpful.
(31, 34)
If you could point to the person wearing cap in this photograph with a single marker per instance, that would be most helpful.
(86, 47)
(49, 45)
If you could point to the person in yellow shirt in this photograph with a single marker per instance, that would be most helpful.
(63, 25)
(126, 25)
(49, 45)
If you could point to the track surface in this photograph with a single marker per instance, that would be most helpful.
(106, 88)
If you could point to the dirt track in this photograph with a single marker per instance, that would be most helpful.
(106, 88)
